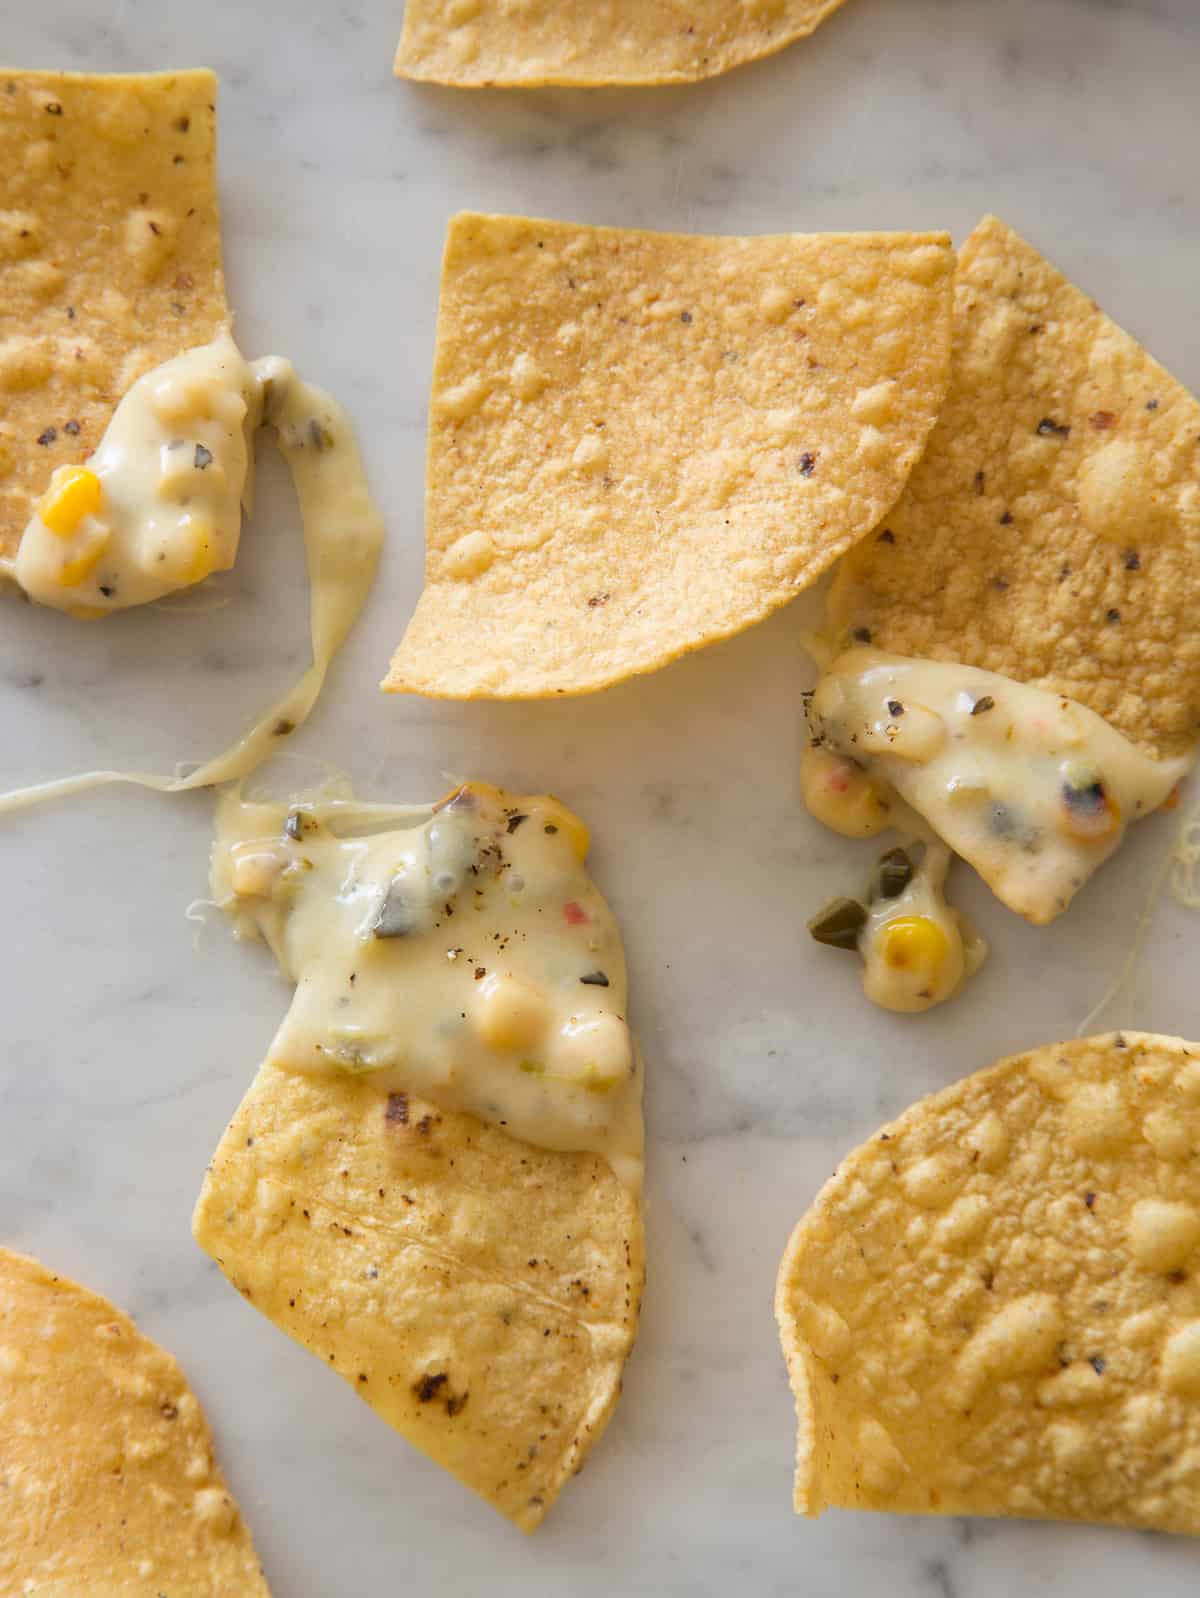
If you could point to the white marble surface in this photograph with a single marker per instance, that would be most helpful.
(127, 1038)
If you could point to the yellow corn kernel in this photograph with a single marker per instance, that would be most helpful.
(74, 493)
(593, 1050)
(255, 870)
(553, 818)
(179, 400)
(914, 943)
(88, 612)
(187, 465)
(88, 546)
(509, 1014)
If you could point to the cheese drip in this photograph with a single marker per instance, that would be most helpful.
(1032, 789)
(461, 954)
(212, 399)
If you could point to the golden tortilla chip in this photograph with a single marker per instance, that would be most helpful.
(480, 43)
(1052, 529)
(641, 443)
(479, 1293)
(107, 1477)
(993, 1308)
(110, 257)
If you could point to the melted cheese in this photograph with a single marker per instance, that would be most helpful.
(1034, 790)
(171, 471)
(228, 397)
(462, 953)
(917, 951)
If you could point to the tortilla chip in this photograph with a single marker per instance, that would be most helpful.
(480, 1294)
(107, 1477)
(110, 257)
(1052, 530)
(993, 1308)
(480, 43)
(641, 443)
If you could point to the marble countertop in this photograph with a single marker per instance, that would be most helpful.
(128, 1034)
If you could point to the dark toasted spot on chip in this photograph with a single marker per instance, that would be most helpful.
(397, 1108)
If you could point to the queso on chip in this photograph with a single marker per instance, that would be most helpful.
(127, 412)
(480, 43)
(641, 443)
(1051, 531)
(434, 1182)
(110, 258)
(109, 1483)
(993, 1307)
(1010, 666)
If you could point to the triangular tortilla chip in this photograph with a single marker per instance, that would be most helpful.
(110, 257)
(993, 1308)
(1052, 530)
(479, 43)
(641, 443)
(480, 1294)
(107, 1478)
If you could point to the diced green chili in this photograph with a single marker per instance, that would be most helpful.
(894, 873)
(839, 924)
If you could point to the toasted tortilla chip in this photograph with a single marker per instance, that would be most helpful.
(107, 1477)
(473, 44)
(993, 1308)
(1052, 529)
(110, 257)
(480, 1294)
(641, 443)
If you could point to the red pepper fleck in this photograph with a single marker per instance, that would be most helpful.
(575, 913)
(838, 780)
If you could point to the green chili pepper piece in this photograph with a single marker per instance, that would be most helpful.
(839, 924)
(894, 873)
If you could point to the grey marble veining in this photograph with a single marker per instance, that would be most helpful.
(129, 1033)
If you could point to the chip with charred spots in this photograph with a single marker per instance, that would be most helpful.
(434, 1182)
